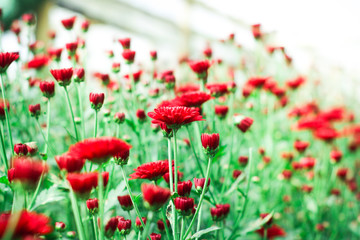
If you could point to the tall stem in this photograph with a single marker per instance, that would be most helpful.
(201, 198)
(193, 149)
(35, 193)
(132, 197)
(71, 112)
(95, 227)
(182, 227)
(101, 202)
(199, 222)
(171, 182)
(96, 123)
(175, 220)
(165, 225)
(76, 212)
(81, 111)
(48, 127)
(6, 113)
(3, 151)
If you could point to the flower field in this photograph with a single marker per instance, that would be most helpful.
(211, 149)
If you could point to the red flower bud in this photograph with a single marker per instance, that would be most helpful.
(62, 76)
(47, 89)
(138, 224)
(69, 22)
(79, 75)
(153, 55)
(20, 149)
(236, 173)
(125, 202)
(221, 111)
(184, 188)
(83, 183)
(243, 160)
(96, 100)
(220, 212)
(336, 155)
(199, 184)
(29, 18)
(210, 143)
(35, 110)
(125, 43)
(308, 162)
(200, 68)
(342, 173)
(55, 53)
(6, 59)
(184, 205)
(140, 114)
(92, 205)
(119, 117)
(243, 123)
(115, 67)
(161, 225)
(69, 162)
(207, 52)
(129, 56)
(85, 26)
(124, 226)
(155, 236)
(111, 226)
(301, 146)
(60, 226)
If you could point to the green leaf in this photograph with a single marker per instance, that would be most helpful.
(255, 225)
(131, 124)
(204, 231)
(235, 184)
(4, 180)
(51, 195)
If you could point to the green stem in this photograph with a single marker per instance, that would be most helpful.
(44, 137)
(48, 127)
(139, 235)
(182, 227)
(147, 226)
(175, 220)
(165, 225)
(96, 123)
(201, 198)
(3, 151)
(71, 112)
(199, 222)
(35, 193)
(171, 183)
(6, 113)
(228, 172)
(101, 202)
(193, 149)
(95, 227)
(76, 212)
(132, 197)
(81, 111)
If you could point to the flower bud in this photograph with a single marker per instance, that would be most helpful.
(184, 188)
(141, 116)
(110, 226)
(199, 184)
(96, 100)
(119, 117)
(184, 205)
(138, 224)
(210, 143)
(115, 67)
(60, 226)
(47, 89)
(153, 55)
(35, 110)
(93, 205)
(68, 23)
(125, 202)
(79, 75)
(124, 226)
(20, 149)
(220, 212)
(71, 234)
(125, 43)
(129, 56)
(242, 122)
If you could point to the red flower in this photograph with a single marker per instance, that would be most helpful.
(93, 205)
(200, 68)
(96, 100)
(301, 146)
(83, 183)
(30, 224)
(125, 43)
(151, 170)
(55, 53)
(221, 110)
(69, 163)
(79, 75)
(115, 67)
(128, 55)
(199, 184)
(193, 99)
(341, 173)
(256, 31)
(335, 114)
(166, 176)
(184, 205)
(2, 109)
(217, 89)
(154, 196)
(220, 212)
(210, 143)
(71, 48)
(140, 114)
(161, 225)
(207, 52)
(184, 188)
(99, 150)
(272, 232)
(155, 236)
(307, 188)
(336, 155)
(29, 18)
(236, 173)
(243, 160)
(257, 82)
(295, 83)
(6, 59)
(47, 89)
(243, 123)
(326, 134)
(312, 123)
(138, 223)
(175, 117)
(20, 149)
(27, 171)
(85, 25)
(60, 226)
(189, 87)
(308, 162)
(15, 28)
(136, 76)
(38, 62)
(153, 55)
(119, 117)
(111, 226)
(125, 202)
(69, 22)
(247, 90)
(286, 174)
(124, 226)
(62, 76)
(35, 110)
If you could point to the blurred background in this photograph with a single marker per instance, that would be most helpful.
(322, 33)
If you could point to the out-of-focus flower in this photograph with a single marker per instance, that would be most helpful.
(153, 55)
(124, 226)
(200, 68)
(296, 82)
(257, 82)
(154, 197)
(62, 76)
(161, 225)
(79, 75)
(55, 53)
(272, 232)
(217, 89)
(110, 226)
(155, 236)
(138, 224)
(184, 188)
(71, 48)
(220, 212)
(125, 202)
(20, 149)
(301, 146)
(243, 123)
(6, 59)
(60, 226)
(135, 76)
(83, 183)
(193, 99)
(68, 23)
(92, 205)
(38, 62)
(336, 155)
(99, 150)
(96, 100)
(199, 184)
(85, 25)
(70, 163)
(47, 88)
(29, 19)
(128, 56)
(35, 110)
(221, 111)
(326, 134)
(125, 42)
